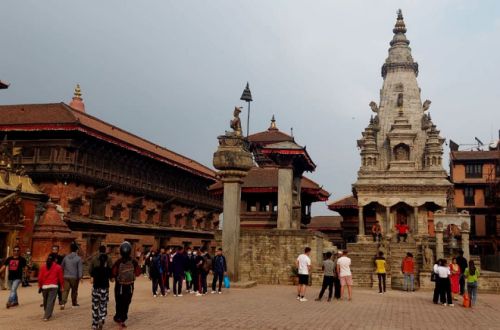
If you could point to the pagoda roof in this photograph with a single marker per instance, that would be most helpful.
(347, 202)
(61, 117)
(272, 135)
(265, 179)
(3, 84)
(325, 222)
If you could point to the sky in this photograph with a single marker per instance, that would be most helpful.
(172, 71)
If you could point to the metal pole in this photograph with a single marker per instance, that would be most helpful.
(248, 119)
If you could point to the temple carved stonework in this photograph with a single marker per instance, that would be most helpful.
(401, 177)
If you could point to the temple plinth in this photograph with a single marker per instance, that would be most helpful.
(233, 162)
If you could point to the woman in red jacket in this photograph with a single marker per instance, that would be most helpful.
(49, 279)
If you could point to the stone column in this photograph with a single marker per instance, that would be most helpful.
(465, 243)
(231, 225)
(388, 222)
(439, 241)
(297, 202)
(285, 198)
(416, 229)
(233, 161)
(361, 225)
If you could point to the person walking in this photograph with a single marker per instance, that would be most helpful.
(328, 273)
(219, 269)
(124, 272)
(381, 272)
(408, 270)
(471, 275)
(179, 264)
(462, 263)
(73, 272)
(443, 272)
(50, 280)
(344, 271)
(455, 278)
(58, 258)
(155, 273)
(100, 275)
(303, 264)
(336, 277)
(16, 266)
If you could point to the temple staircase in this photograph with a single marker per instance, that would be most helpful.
(362, 263)
(396, 254)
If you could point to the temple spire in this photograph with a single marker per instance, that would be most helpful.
(77, 101)
(400, 23)
(273, 126)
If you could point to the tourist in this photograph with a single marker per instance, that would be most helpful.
(26, 272)
(196, 271)
(49, 280)
(204, 264)
(408, 270)
(377, 232)
(124, 272)
(336, 277)
(164, 261)
(100, 275)
(58, 258)
(471, 274)
(303, 264)
(168, 275)
(147, 262)
(381, 273)
(437, 288)
(156, 273)
(344, 271)
(219, 269)
(402, 229)
(462, 263)
(16, 265)
(179, 265)
(454, 278)
(73, 272)
(190, 279)
(328, 273)
(443, 272)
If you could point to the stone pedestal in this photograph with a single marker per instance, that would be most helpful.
(285, 198)
(465, 243)
(439, 243)
(233, 162)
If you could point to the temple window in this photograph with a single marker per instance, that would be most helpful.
(135, 210)
(117, 212)
(75, 205)
(150, 216)
(469, 196)
(473, 170)
(401, 152)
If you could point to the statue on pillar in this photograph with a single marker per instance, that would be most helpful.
(428, 256)
(236, 122)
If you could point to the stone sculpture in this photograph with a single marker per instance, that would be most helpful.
(374, 106)
(236, 122)
(426, 105)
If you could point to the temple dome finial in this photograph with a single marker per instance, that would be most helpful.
(77, 101)
(400, 23)
(273, 124)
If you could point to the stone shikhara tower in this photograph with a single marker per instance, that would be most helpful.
(401, 177)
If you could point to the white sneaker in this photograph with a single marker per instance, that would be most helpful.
(155, 296)
(219, 292)
(451, 305)
(445, 304)
(302, 299)
(213, 292)
(192, 292)
(198, 294)
(179, 295)
(298, 297)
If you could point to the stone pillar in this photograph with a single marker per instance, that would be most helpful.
(231, 225)
(416, 229)
(233, 161)
(297, 202)
(388, 222)
(439, 241)
(465, 243)
(361, 225)
(285, 198)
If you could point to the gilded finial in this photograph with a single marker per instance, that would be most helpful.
(273, 124)
(78, 91)
(400, 23)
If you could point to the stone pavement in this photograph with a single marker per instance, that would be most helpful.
(261, 307)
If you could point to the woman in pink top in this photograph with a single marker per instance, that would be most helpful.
(49, 280)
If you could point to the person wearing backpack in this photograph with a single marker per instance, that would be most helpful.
(219, 270)
(100, 275)
(124, 272)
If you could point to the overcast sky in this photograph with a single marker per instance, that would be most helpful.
(172, 71)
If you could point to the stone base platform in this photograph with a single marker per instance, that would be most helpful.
(243, 284)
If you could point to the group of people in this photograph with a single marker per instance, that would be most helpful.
(336, 275)
(454, 279)
(407, 268)
(185, 265)
(402, 230)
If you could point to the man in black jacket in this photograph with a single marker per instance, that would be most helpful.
(219, 269)
(179, 266)
(462, 263)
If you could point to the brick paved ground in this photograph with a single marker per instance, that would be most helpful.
(262, 307)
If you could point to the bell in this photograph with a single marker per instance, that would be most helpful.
(453, 243)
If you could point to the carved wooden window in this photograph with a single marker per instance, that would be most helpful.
(28, 152)
(75, 205)
(98, 207)
(44, 153)
(165, 215)
(469, 196)
(117, 212)
(401, 152)
(474, 170)
(178, 220)
(497, 169)
(135, 210)
(150, 216)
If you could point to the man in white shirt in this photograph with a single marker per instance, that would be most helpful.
(345, 275)
(303, 264)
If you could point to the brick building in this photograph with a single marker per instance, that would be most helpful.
(109, 184)
(476, 179)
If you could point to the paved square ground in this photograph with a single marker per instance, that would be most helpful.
(262, 307)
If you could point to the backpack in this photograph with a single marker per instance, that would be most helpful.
(126, 273)
(207, 263)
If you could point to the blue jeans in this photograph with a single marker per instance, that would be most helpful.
(408, 281)
(13, 285)
(472, 289)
